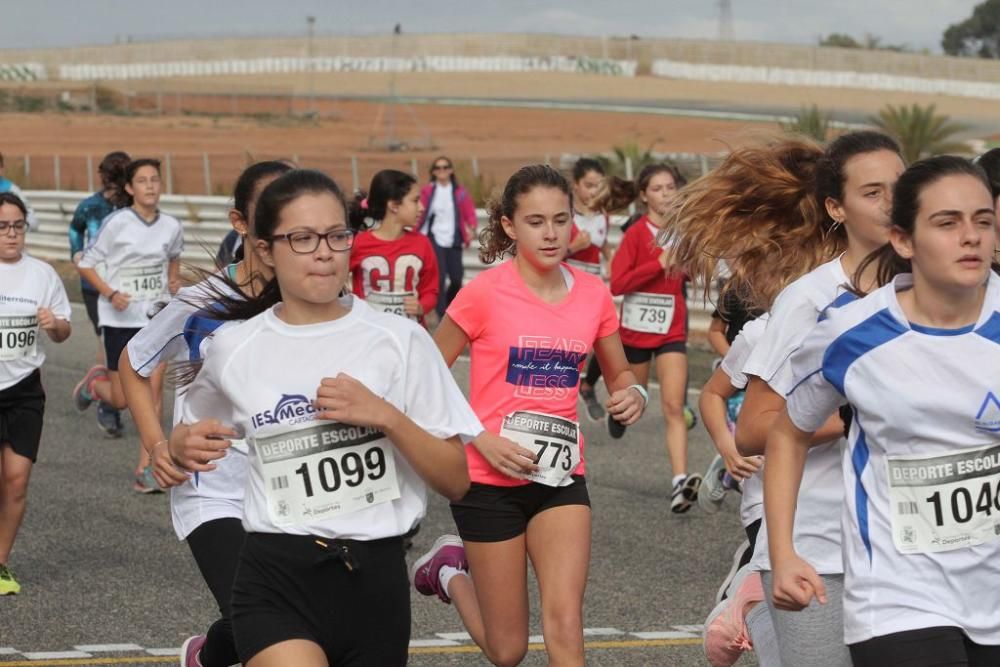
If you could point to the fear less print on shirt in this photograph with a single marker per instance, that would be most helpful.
(545, 367)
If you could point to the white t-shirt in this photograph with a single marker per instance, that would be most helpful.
(443, 210)
(752, 500)
(136, 254)
(183, 331)
(262, 376)
(26, 286)
(821, 496)
(921, 517)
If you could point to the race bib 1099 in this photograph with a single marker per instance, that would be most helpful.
(945, 502)
(325, 469)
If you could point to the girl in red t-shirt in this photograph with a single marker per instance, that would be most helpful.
(393, 265)
(654, 319)
(530, 323)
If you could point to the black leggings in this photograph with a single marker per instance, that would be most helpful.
(449, 267)
(216, 548)
(927, 647)
(593, 371)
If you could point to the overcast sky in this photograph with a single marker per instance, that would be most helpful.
(42, 23)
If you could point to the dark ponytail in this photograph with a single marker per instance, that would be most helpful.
(219, 303)
(388, 185)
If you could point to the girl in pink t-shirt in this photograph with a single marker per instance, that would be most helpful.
(530, 323)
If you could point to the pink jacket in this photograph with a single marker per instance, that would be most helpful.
(465, 212)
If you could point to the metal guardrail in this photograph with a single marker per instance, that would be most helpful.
(206, 222)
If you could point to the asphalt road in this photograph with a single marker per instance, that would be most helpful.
(105, 580)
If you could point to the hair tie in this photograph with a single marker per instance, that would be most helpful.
(364, 204)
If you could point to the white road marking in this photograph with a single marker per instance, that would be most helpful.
(108, 648)
(441, 640)
(601, 632)
(670, 634)
(426, 643)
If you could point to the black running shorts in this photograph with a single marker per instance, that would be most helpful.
(22, 407)
(491, 513)
(926, 647)
(115, 340)
(90, 298)
(640, 355)
(352, 598)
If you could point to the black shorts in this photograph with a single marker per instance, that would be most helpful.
(90, 298)
(115, 340)
(926, 647)
(22, 408)
(491, 513)
(640, 355)
(290, 587)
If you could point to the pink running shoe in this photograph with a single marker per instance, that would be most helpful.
(447, 550)
(190, 651)
(726, 634)
(82, 392)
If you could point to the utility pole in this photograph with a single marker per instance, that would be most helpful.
(725, 20)
(310, 28)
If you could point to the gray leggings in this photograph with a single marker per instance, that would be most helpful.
(815, 635)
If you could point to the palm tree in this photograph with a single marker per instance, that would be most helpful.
(615, 166)
(920, 131)
(810, 122)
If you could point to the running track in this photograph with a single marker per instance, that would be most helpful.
(106, 582)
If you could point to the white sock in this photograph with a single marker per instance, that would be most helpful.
(678, 479)
(445, 575)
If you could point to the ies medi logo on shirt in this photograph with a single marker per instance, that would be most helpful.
(545, 367)
(988, 416)
(290, 409)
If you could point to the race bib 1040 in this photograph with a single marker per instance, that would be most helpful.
(18, 336)
(554, 440)
(389, 302)
(143, 282)
(648, 313)
(325, 469)
(945, 502)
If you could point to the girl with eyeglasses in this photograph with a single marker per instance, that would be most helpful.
(393, 266)
(449, 220)
(32, 300)
(206, 502)
(349, 415)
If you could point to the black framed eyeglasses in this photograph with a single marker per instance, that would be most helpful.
(305, 242)
(442, 167)
(18, 226)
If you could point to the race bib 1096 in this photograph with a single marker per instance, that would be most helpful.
(325, 469)
(648, 313)
(945, 502)
(143, 283)
(554, 440)
(18, 336)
